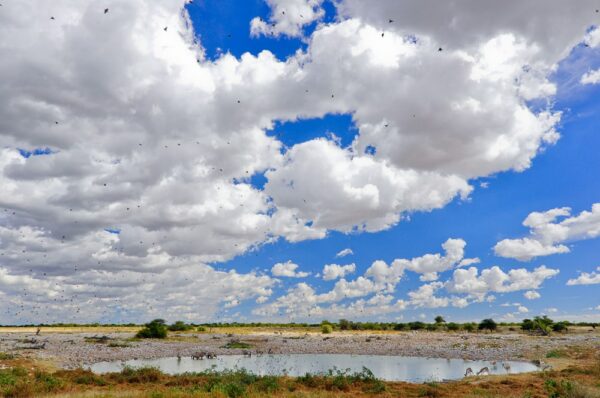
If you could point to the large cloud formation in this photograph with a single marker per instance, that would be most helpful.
(126, 155)
(548, 234)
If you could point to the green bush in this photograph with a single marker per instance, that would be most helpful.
(180, 326)
(400, 326)
(326, 328)
(560, 327)
(453, 327)
(469, 327)
(488, 324)
(417, 325)
(153, 330)
(344, 324)
(234, 344)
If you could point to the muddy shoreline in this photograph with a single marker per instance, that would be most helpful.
(72, 350)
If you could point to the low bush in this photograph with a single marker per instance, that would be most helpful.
(326, 328)
(153, 330)
(234, 344)
(453, 327)
(180, 326)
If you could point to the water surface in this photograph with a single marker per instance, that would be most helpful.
(390, 368)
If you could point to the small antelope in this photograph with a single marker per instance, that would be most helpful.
(484, 370)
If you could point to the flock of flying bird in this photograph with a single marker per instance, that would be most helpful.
(63, 298)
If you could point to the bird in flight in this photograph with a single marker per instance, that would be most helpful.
(106, 10)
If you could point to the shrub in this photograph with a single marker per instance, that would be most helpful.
(558, 389)
(488, 324)
(201, 329)
(146, 374)
(345, 324)
(234, 344)
(554, 354)
(527, 325)
(153, 330)
(469, 327)
(453, 327)
(326, 328)
(179, 326)
(417, 325)
(439, 319)
(560, 327)
(432, 327)
(6, 356)
(400, 326)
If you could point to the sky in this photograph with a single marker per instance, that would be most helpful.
(299, 160)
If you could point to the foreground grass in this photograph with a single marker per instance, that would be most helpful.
(21, 381)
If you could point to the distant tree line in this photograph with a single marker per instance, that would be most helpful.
(541, 325)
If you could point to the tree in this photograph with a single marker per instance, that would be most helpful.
(155, 329)
(345, 324)
(439, 319)
(488, 324)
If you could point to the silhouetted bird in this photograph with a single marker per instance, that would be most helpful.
(106, 10)
(440, 49)
(391, 21)
(165, 29)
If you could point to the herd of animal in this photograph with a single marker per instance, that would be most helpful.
(200, 355)
(485, 370)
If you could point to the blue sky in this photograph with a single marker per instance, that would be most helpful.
(564, 175)
(150, 181)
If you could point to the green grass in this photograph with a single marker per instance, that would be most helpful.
(555, 354)
(4, 356)
(237, 344)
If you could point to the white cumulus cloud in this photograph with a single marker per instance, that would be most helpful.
(288, 269)
(586, 278)
(548, 234)
(335, 271)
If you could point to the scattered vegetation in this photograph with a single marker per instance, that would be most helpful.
(155, 329)
(579, 381)
(4, 356)
(235, 344)
(180, 326)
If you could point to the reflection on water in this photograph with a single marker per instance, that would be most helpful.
(391, 368)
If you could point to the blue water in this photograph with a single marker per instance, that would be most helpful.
(390, 368)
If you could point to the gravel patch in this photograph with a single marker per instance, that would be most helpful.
(78, 349)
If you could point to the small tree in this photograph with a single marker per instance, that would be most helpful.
(439, 320)
(469, 327)
(153, 330)
(345, 324)
(527, 325)
(488, 324)
(561, 326)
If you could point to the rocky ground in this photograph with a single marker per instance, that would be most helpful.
(70, 350)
